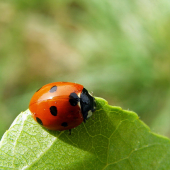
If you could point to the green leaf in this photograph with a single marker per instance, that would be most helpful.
(111, 139)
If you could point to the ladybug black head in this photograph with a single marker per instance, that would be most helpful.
(88, 104)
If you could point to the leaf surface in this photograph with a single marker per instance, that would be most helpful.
(111, 139)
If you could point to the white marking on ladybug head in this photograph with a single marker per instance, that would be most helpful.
(89, 114)
(79, 100)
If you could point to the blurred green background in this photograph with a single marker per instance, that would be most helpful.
(119, 50)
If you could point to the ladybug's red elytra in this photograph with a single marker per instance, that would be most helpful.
(62, 105)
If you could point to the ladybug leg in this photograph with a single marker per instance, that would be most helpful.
(69, 131)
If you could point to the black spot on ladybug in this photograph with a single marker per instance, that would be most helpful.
(53, 89)
(64, 124)
(38, 89)
(39, 121)
(74, 99)
(53, 110)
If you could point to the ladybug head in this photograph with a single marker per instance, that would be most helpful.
(87, 103)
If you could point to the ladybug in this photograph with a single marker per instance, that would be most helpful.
(62, 105)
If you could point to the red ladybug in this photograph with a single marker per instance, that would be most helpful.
(61, 105)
